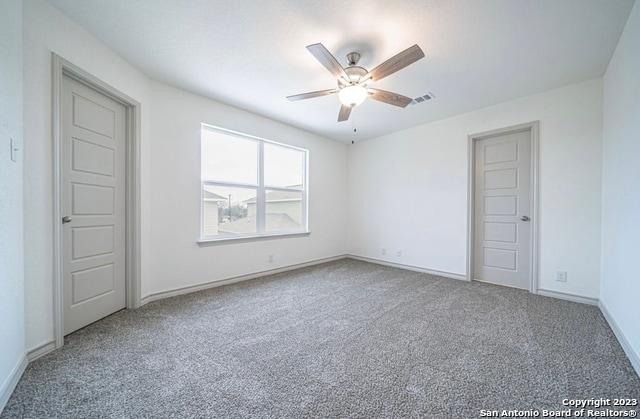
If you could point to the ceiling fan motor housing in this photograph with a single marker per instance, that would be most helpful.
(353, 58)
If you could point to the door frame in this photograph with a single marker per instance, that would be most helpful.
(534, 129)
(60, 69)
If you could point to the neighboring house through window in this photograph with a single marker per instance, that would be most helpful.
(251, 187)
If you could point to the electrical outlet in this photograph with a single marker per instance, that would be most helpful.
(383, 251)
(561, 276)
(270, 258)
(399, 253)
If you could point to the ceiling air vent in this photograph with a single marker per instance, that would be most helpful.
(423, 98)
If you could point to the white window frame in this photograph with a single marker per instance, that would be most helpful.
(260, 189)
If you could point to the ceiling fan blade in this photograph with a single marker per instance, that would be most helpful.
(328, 61)
(344, 113)
(310, 95)
(389, 97)
(396, 63)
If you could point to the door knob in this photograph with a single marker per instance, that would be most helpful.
(66, 219)
(525, 218)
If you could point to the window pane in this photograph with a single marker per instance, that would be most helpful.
(283, 167)
(283, 211)
(227, 158)
(228, 211)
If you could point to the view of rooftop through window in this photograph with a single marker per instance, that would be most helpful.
(251, 186)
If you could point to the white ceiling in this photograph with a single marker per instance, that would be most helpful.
(251, 54)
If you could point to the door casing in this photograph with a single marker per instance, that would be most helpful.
(61, 68)
(533, 127)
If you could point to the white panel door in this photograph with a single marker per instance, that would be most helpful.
(502, 248)
(93, 193)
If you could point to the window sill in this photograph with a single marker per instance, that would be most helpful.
(242, 239)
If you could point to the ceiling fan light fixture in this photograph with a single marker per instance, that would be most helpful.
(353, 81)
(352, 96)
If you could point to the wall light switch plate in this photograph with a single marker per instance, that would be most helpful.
(14, 150)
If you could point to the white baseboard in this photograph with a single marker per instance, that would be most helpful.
(12, 382)
(194, 288)
(40, 350)
(221, 282)
(634, 357)
(568, 297)
(408, 267)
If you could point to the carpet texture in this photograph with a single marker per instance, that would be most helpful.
(342, 339)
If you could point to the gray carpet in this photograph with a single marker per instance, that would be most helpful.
(343, 339)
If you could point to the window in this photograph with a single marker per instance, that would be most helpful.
(251, 187)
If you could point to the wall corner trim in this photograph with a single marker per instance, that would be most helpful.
(40, 350)
(633, 356)
(13, 380)
(18, 370)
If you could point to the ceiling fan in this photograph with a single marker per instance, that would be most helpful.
(353, 81)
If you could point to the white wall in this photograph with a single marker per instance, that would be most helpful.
(170, 148)
(177, 261)
(11, 206)
(620, 287)
(408, 190)
(47, 30)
